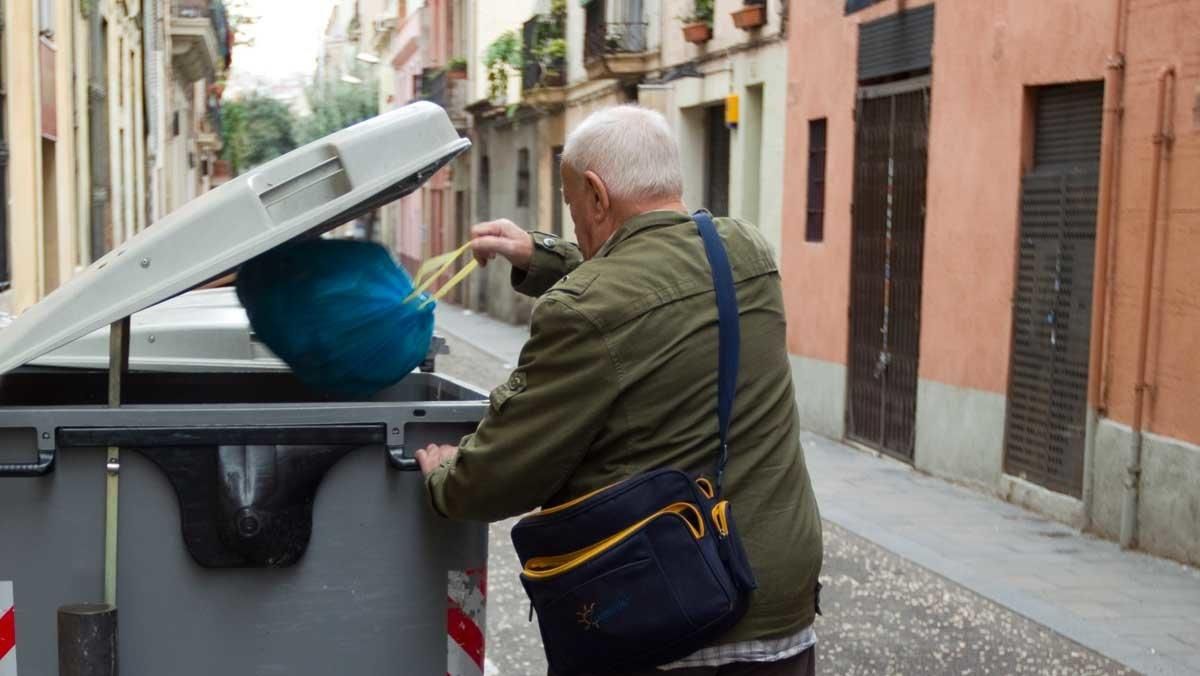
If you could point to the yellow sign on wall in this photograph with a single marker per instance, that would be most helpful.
(731, 110)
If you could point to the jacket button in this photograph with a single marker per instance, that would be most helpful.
(549, 242)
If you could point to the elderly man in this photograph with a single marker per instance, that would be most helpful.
(619, 377)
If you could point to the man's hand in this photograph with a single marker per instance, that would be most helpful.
(433, 455)
(502, 237)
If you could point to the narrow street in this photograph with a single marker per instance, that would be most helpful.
(885, 613)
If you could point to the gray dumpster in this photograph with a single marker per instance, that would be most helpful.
(239, 523)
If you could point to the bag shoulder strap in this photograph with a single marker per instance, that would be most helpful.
(728, 331)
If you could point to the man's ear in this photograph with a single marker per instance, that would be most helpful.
(599, 192)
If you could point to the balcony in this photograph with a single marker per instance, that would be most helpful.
(199, 38)
(544, 72)
(443, 87)
(616, 39)
(208, 135)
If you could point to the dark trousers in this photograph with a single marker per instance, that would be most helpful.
(804, 664)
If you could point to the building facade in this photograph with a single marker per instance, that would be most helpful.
(989, 276)
(723, 92)
(94, 94)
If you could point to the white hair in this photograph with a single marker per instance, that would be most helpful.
(631, 148)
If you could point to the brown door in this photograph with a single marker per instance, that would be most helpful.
(891, 150)
(1052, 308)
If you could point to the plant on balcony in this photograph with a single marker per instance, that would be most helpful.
(548, 47)
(502, 57)
(751, 16)
(456, 68)
(552, 56)
(697, 26)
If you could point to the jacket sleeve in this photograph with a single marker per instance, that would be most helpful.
(539, 424)
(553, 257)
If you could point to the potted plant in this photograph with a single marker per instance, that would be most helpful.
(456, 68)
(552, 57)
(751, 16)
(697, 26)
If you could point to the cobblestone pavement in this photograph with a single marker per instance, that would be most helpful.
(883, 613)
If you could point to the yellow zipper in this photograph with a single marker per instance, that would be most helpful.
(720, 517)
(571, 503)
(544, 567)
(706, 488)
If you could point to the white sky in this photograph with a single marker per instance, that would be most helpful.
(287, 39)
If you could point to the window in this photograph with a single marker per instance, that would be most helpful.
(483, 200)
(523, 177)
(853, 6)
(814, 228)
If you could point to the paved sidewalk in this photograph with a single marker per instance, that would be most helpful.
(499, 339)
(1138, 610)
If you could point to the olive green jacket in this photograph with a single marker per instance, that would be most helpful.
(620, 376)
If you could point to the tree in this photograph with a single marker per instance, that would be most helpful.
(256, 129)
(335, 106)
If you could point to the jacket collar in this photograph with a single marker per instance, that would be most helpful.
(641, 223)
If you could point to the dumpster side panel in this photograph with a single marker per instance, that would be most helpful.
(52, 550)
(368, 597)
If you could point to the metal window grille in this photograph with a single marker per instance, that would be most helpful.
(814, 229)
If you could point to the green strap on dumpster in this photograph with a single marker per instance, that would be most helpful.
(118, 366)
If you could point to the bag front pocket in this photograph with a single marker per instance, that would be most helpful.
(612, 604)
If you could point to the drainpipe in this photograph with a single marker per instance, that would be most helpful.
(1129, 510)
(1110, 142)
(98, 131)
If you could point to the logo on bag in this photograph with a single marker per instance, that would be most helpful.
(585, 616)
(590, 616)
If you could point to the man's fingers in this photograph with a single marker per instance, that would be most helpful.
(489, 245)
(496, 228)
(426, 458)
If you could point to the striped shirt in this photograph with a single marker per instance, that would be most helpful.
(769, 650)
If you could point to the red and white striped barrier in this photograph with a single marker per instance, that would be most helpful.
(8, 631)
(466, 622)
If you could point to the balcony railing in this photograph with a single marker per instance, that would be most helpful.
(433, 86)
(615, 27)
(446, 91)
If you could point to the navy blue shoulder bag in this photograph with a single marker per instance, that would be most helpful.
(651, 569)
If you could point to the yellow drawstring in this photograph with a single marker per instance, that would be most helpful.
(433, 268)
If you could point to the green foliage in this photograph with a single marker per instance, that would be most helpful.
(503, 55)
(457, 63)
(241, 17)
(550, 44)
(256, 129)
(335, 106)
(702, 12)
(554, 49)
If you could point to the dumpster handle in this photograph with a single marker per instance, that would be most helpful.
(43, 466)
(402, 462)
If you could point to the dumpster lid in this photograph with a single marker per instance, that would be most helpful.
(306, 192)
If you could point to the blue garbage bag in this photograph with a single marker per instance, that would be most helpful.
(335, 311)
